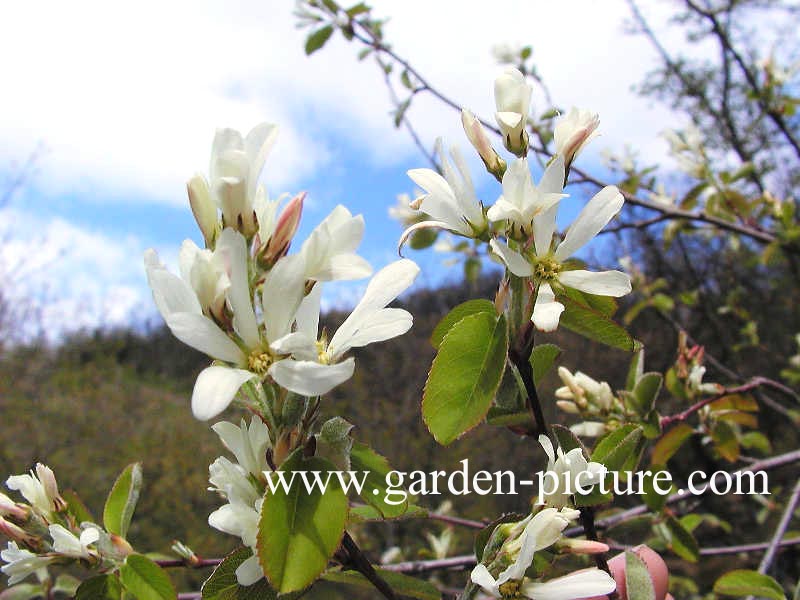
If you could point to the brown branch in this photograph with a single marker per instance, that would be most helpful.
(762, 465)
(668, 420)
(722, 550)
(465, 561)
(199, 563)
(780, 530)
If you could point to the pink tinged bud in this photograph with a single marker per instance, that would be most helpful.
(48, 479)
(9, 508)
(286, 227)
(17, 534)
(582, 546)
(480, 141)
(203, 208)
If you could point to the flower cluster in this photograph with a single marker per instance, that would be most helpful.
(41, 532)
(251, 306)
(520, 226)
(536, 533)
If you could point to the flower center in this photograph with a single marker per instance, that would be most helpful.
(259, 361)
(510, 589)
(322, 352)
(546, 269)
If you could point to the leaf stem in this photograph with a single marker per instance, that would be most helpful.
(357, 561)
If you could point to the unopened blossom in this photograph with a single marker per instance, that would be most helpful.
(39, 487)
(522, 201)
(589, 429)
(204, 209)
(9, 508)
(695, 381)
(569, 471)
(450, 200)
(178, 303)
(317, 365)
(573, 132)
(68, 544)
(329, 253)
(582, 389)
(546, 266)
(476, 135)
(21, 563)
(512, 95)
(275, 232)
(206, 272)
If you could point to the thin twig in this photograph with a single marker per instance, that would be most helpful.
(780, 530)
(464, 561)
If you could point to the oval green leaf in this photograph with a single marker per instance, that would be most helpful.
(743, 582)
(465, 376)
(122, 499)
(468, 308)
(300, 529)
(145, 579)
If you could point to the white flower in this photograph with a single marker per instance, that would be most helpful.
(449, 200)
(39, 488)
(236, 164)
(206, 272)
(231, 480)
(68, 544)
(545, 266)
(403, 212)
(585, 583)
(329, 252)
(695, 381)
(522, 201)
(21, 563)
(244, 349)
(570, 470)
(317, 367)
(249, 572)
(573, 132)
(541, 531)
(512, 94)
(248, 444)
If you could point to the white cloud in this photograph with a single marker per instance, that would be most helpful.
(126, 96)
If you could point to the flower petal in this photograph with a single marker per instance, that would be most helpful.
(595, 215)
(309, 378)
(215, 388)
(480, 576)
(344, 267)
(515, 262)
(171, 293)
(385, 286)
(422, 225)
(378, 327)
(282, 293)
(580, 584)
(201, 333)
(546, 311)
(249, 572)
(232, 247)
(604, 283)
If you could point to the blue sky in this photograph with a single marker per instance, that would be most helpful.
(125, 99)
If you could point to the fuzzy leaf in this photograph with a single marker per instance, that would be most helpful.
(122, 499)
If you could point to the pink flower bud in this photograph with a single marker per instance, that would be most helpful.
(285, 228)
(17, 534)
(480, 141)
(573, 132)
(655, 565)
(572, 546)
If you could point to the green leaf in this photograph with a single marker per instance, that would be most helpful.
(468, 308)
(66, 586)
(317, 39)
(357, 9)
(222, 585)
(299, 531)
(403, 585)
(486, 537)
(636, 368)
(364, 513)
(24, 591)
(364, 458)
(682, 541)
(594, 324)
(646, 391)
(122, 499)
(423, 238)
(615, 448)
(102, 587)
(465, 376)
(400, 111)
(145, 579)
(542, 359)
(76, 507)
(670, 443)
(743, 582)
(568, 440)
(638, 582)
